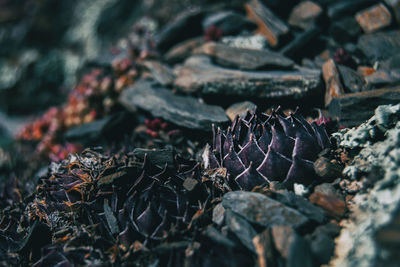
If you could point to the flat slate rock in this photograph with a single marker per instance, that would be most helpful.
(262, 210)
(184, 111)
(230, 22)
(198, 74)
(245, 59)
(354, 109)
(381, 45)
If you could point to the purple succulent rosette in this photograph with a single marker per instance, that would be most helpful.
(258, 151)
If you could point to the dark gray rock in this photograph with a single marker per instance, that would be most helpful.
(184, 111)
(241, 228)
(160, 72)
(352, 80)
(183, 50)
(246, 59)
(302, 42)
(384, 78)
(159, 157)
(345, 30)
(337, 9)
(291, 246)
(301, 204)
(230, 22)
(110, 128)
(323, 243)
(185, 26)
(262, 210)
(199, 75)
(381, 45)
(364, 103)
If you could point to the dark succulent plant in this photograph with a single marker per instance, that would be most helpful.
(278, 148)
(123, 199)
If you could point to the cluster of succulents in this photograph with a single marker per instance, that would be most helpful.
(122, 199)
(258, 151)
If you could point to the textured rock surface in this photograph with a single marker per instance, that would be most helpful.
(356, 245)
(199, 75)
(262, 210)
(182, 110)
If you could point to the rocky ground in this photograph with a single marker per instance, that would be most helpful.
(199, 133)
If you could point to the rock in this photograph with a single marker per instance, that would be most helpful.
(327, 169)
(334, 86)
(263, 243)
(322, 242)
(364, 103)
(218, 214)
(256, 42)
(395, 5)
(374, 18)
(359, 243)
(380, 45)
(218, 237)
(304, 15)
(199, 75)
(239, 109)
(241, 228)
(245, 59)
(159, 157)
(262, 210)
(391, 63)
(269, 25)
(182, 50)
(333, 205)
(384, 77)
(230, 22)
(160, 72)
(326, 189)
(187, 25)
(337, 9)
(301, 204)
(111, 128)
(345, 30)
(302, 42)
(352, 80)
(184, 111)
(292, 247)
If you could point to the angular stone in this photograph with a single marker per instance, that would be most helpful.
(332, 81)
(158, 157)
(241, 228)
(395, 5)
(354, 109)
(345, 30)
(239, 109)
(323, 243)
(291, 246)
(333, 205)
(380, 45)
(181, 51)
(337, 9)
(185, 26)
(303, 42)
(262, 210)
(301, 204)
(199, 75)
(229, 22)
(304, 15)
(111, 127)
(383, 77)
(352, 80)
(374, 18)
(184, 111)
(266, 254)
(160, 72)
(269, 25)
(245, 59)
